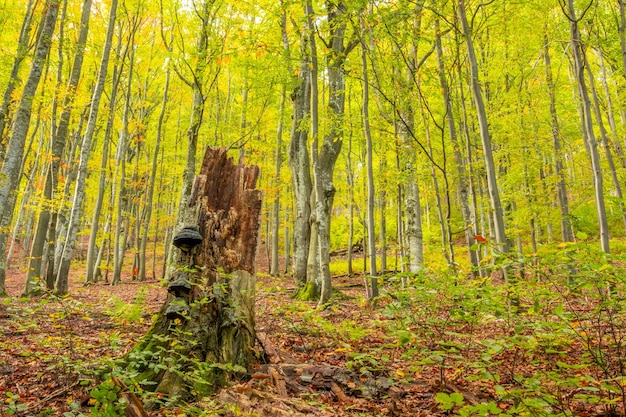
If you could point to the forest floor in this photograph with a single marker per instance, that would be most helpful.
(48, 342)
(402, 356)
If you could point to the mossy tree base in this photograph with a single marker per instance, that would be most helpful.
(205, 332)
(309, 292)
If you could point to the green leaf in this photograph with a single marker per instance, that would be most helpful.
(457, 398)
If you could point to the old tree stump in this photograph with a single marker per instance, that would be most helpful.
(204, 333)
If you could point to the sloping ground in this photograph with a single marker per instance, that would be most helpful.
(49, 345)
(440, 349)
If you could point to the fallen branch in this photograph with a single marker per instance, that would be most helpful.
(135, 406)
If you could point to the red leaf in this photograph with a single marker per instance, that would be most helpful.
(480, 239)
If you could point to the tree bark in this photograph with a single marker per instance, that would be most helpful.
(492, 184)
(61, 284)
(214, 326)
(9, 176)
(299, 165)
(198, 87)
(371, 196)
(463, 187)
(21, 53)
(567, 234)
(35, 268)
(93, 260)
(405, 128)
(274, 268)
(149, 197)
(325, 157)
(577, 48)
(605, 141)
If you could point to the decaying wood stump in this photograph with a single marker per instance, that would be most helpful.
(205, 332)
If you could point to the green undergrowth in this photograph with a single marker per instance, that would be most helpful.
(558, 350)
(550, 342)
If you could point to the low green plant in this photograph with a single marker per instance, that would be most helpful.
(123, 312)
(106, 402)
(14, 407)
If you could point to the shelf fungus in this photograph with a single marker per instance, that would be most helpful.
(180, 286)
(178, 309)
(187, 238)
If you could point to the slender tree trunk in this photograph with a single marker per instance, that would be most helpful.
(34, 274)
(578, 50)
(325, 157)
(20, 54)
(567, 234)
(287, 240)
(405, 127)
(28, 189)
(350, 178)
(371, 196)
(462, 181)
(615, 142)
(60, 138)
(492, 184)
(155, 159)
(622, 34)
(605, 141)
(446, 243)
(92, 260)
(9, 176)
(383, 225)
(274, 269)
(56, 227)
(35, 271)
(61, 285)
(121, 221)
(299, 165)
(197, 84)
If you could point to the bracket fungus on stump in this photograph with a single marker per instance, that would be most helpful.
(206, 325)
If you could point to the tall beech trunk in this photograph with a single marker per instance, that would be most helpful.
(405, 128)
(57, 225)
(462, 181)
(622, 33)
(610, 112)
(567, 234)
(149, 197)
(371, 196)
(490, 167)
(21, 53)
(208, 318)
(124, 205)
(60, 138)
(93, 259)
(274, 269)
(61, 284)
(578, 50)
(605, 141)
(325, 156)
(205, 12)
(299, 165)
(9, 175)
